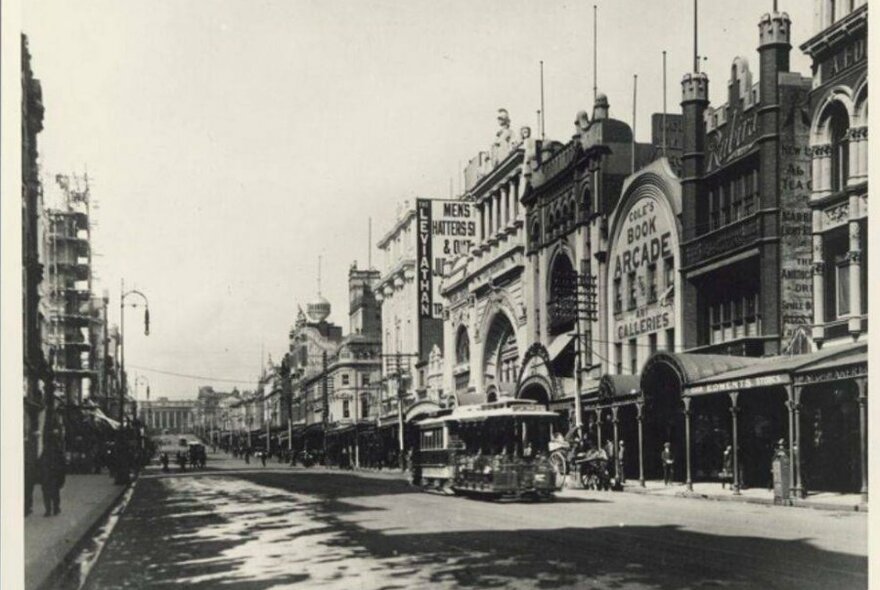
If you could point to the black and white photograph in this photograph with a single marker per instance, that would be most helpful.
(377, 294)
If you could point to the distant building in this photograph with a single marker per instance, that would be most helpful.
(173, 416)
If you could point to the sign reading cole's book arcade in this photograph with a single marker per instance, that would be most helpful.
(645, 244)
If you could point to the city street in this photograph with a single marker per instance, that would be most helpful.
(248, 526)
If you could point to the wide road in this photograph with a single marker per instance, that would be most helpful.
(248, 527)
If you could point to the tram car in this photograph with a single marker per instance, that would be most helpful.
(496, 450)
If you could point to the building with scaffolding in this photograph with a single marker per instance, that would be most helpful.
(75, 320)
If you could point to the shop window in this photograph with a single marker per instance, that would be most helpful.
(345, 409)
(668, 272)
(842, 287)
(618, 358)
(365, 407)
(652, 343)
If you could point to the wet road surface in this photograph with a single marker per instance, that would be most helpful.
(249, 527)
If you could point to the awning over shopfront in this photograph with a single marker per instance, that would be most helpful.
(691, 368)
(830, 364)
(559, 344)
(614, 387)
(421, 409)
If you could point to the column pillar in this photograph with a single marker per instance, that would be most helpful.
(598, 429)
(855, 267)
(862, 384)
(821, 162)
(514, 188)
(818, 280)
(640, 409)
(687, 443)
(499, 210)
(862, 143)
(734, 410)
(490, 215)
(483, 232)
(799, 490)
(618, 467)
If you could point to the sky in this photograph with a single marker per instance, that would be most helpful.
(230, 143)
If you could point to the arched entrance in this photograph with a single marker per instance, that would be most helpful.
(535, 390)
(500, 358)
(664, 421)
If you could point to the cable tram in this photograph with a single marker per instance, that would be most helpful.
(498, 449)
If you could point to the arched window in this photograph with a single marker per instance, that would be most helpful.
(462, 347)
(838, 130)
(562, 298)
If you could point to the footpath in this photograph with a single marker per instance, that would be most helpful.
(50, 542)
(714, 491)
(701, 491)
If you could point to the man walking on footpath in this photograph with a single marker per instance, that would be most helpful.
(668, 461)
(52, 473)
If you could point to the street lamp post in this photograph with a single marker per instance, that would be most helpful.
(123, 379)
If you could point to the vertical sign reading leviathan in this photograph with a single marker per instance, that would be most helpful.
(423, 258)
(446, 230)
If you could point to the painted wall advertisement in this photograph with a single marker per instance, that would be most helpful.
(796, 244)
(446, 229)
(647, 237)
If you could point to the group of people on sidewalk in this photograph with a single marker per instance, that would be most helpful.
(124, 458)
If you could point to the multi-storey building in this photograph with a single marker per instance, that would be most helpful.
(747, 262)
(73, 319)
(839, 149)
(38, 381)
(485, 303)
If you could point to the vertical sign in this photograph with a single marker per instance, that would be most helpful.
(425, 280)
(795, 221)
(446, 229)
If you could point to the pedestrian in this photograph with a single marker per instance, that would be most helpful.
(247, 455)
(667, 459)
(727, 467)
(52, 473)
(31, 474)
(620, 472)
(163, 458)
(263, 456)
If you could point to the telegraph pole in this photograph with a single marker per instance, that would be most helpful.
(325, 402)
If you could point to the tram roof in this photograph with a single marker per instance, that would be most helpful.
(482, 412)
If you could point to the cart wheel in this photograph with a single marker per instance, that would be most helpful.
(560, 466)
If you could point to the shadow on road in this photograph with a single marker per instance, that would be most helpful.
(268, 530)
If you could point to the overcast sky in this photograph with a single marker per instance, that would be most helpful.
(230, 143)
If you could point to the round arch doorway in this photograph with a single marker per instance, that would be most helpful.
(664, 422)
(500, 358)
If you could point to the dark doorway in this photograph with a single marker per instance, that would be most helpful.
(664, 419)
(830, 452)
(763, 421)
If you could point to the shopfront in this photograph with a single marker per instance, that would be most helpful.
(814, 406)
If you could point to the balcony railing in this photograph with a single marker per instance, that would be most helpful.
(722, 240)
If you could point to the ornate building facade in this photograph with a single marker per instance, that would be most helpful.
(485, 327)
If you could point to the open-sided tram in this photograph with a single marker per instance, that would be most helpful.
(499, 449)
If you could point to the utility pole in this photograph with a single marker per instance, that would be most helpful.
(325, 402)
